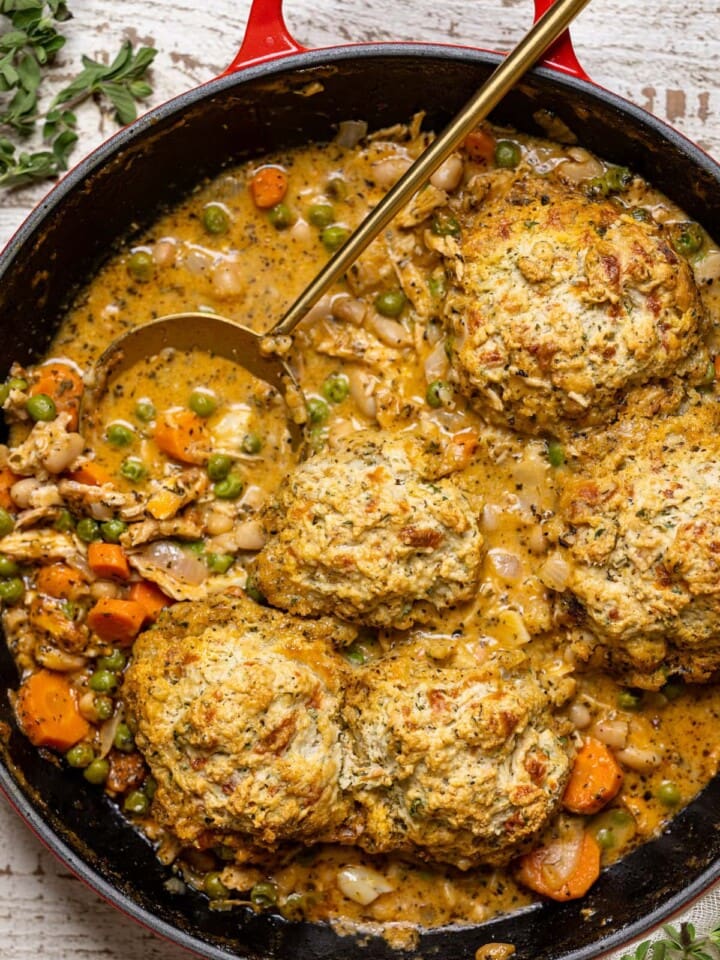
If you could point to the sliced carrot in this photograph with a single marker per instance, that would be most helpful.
(480, 146)
(64, 385)
(108, 560)
(544, 870)
(268, 187)
(7, 480)
(92, 474)
(151, 598)
(595, 778)
(60, 580)
(181, 435)
(47, 711)
(116, 621)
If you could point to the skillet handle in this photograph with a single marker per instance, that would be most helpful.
(266, 36)
(561, 55)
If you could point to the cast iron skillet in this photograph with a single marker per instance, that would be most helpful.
(120, 187)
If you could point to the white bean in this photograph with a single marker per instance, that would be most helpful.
(62, 451)
(104, 588)
(302, 231)
(228, 280)
(164, 253)
(644, 761)
(579, 715)
(449, 174)
(249, 535)
(362, 884)
(362, 387)
(386, 172)
(21, 492)
(349, 310)
(613, 733)
(392, 333)
(218, 522)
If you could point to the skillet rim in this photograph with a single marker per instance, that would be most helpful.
(174, 108)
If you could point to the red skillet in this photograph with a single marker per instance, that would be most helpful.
(255, 107)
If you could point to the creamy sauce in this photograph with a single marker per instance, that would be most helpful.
(251, 273)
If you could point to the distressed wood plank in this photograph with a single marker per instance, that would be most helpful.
(660, 56)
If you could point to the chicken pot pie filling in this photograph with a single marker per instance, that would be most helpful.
(462, 653)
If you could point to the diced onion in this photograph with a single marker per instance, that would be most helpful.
(555, 572)
(175, 561)
(351, 132)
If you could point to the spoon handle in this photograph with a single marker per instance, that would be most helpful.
(547, 29)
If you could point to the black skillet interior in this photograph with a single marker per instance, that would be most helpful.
(118, 190)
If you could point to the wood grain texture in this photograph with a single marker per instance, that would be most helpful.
(660, 56)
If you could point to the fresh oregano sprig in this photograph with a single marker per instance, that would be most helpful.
(681, 943)
(29, 41)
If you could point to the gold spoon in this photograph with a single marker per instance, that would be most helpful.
(255, 351)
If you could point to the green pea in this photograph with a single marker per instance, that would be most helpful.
(7, 522)
(438, 393)
(64, 522)
(18, 383)
(336, 188)
(141, 266)
(115, 662)
(80, 756)
(443, 225)
(214, 887)
(251, 444)
(195, 547)
(88, 530)
(133, 469)
(317, 437)
(145, 410)
(12, 590)
(294, 906)
(4, 393)
(104, 707)
(215, 219)
(673, 689)
(123, 739)
(687, 238)
(321, 214)
(336, 387)
(8, 567)
(390, 303)
(318, 410)
(97, 771)
(230, 488)
(112, 530)
(629, 700)
(103, 681)
(218, 466)
(136, 802)
(355, 654)
(119, 434)
(555, 453)
(254, 592)
(281, 216)
(437, 287)
(605, 838)
(334, 236)
(219, 562)
(507, 154)
(41, 407)
(150, 788)
(668, 793)
(203, 403)
(264, 894)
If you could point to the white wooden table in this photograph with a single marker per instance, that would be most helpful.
(662, 56)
